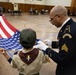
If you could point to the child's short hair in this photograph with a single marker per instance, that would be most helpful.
(27, 38)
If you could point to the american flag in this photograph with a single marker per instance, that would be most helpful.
(9, 36)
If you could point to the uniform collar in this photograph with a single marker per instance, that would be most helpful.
(65, 22)
(63, 27)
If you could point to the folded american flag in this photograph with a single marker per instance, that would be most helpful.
(9, 36)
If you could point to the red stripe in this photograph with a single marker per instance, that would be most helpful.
(3, 29)
(9, 25)
(0, 36)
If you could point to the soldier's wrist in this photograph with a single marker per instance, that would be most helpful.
(48, 52)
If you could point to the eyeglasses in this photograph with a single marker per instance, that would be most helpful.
(52, 18)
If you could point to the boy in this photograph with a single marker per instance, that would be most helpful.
(29, 60)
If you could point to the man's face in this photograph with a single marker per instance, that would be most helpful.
(54, 19)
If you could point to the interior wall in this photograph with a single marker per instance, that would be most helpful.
(40, 2)
(4, 0)
(59, 2)
(73, 6)
(43, 2)
(16, 1)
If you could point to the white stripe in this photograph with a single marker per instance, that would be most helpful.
(2, 33)
(6, 27)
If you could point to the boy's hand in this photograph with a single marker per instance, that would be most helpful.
(3, 51)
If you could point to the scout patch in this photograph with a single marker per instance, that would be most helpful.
(28, 57)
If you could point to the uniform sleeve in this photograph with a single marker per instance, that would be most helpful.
(9, 60)
(67, 50)
(13, 62)
(46, 59)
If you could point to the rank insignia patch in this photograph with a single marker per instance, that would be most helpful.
(64, 47)
(67, 35)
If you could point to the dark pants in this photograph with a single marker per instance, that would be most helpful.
(36, 74)
(33, 74)
(21, 74)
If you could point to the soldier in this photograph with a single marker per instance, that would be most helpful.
(66, 57)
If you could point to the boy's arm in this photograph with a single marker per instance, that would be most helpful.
(4, 52)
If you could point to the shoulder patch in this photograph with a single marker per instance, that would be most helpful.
(67, 35)
(67, 29)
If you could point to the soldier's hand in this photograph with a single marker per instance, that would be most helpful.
(42, 45)
(48, 42)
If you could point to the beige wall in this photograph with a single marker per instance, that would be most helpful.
(60, 2)
(4, 0)
(43, 2)
(35, 2)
